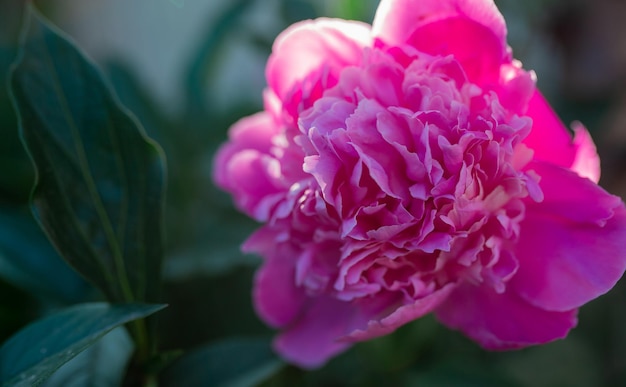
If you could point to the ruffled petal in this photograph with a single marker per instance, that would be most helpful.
(502, 321)
(473, 31)
(329, 326)
(312, 339)
(323, 47)
(245, 168)
(253, 132)
(276, 298)
(549, 138)
(571, 245)
(552, 142)
(516, 87)
(277, 301)
(400, 316)
(570, 197)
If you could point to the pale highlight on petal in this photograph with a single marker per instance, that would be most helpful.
(472, 30)
(397, 20)
(586, 160)
(323, 46)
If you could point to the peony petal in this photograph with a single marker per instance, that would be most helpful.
(516, 88)
(245, 167)
(401, 316)
(252, 132)
(551, 141)
(502, 321)
(254, 181)
(323, 46)
(473, 31)
(571, 197)
(549, 138)
(571, 244)
(312, 339)
(586, 160)
(370, 208)
(276, 298)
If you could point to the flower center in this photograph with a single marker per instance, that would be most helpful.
(415, 181)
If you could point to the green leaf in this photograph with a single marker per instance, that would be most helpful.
(10, 18)
(101, 365)
(236, 362)
(17, 173)
(17, 308)
(100, 180)
(137, 98)
(28, 261)
(35, 352)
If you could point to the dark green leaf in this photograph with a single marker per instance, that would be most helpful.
(232, 362)
(35, 352)
(99, 192)
(27, 260)
(101, 365)
(137, 98)
(17, 308)
(10, 18)
(17, 174)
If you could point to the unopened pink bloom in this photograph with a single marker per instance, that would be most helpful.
(412, 167)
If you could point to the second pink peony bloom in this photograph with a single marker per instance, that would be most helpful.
(412, 167)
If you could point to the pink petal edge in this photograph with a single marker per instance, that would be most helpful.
(569, 243)
(252, 132)
(473, 31)
(586, 160)
(312, 339)
(502, 321)
(313, 46)
(401, 316)
(276, 298)
(552, 142)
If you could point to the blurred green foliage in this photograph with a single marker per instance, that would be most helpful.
(207, 280)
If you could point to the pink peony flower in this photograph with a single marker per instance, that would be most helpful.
(412, 167)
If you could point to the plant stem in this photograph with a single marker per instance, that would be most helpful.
(139, 332)
(139, 372)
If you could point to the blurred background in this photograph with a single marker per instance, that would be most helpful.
(188, 69)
